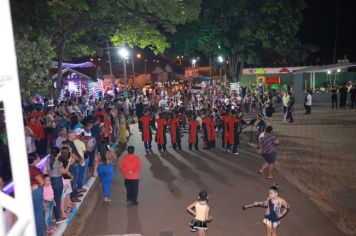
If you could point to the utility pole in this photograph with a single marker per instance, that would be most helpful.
(133, 67)
(112, 77)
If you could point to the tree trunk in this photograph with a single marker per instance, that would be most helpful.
(59, 79)
(234, 69)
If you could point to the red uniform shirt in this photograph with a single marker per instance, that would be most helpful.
(174, 125)
(231, 125)
(212, 125)
(207, 122)
(193, 131)
(226, 132)
(160, 129)
(146, 128)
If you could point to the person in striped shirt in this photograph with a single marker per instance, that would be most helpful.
(268, 150)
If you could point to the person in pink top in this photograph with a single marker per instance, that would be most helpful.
(130, 166)
(48, 201)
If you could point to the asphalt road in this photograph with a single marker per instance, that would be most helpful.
(171, 180)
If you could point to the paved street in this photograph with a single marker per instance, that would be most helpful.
(170, 181)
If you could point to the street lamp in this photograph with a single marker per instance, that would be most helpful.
(124, 54)
(221, 60)
(180, 58)
(338, 74)
(193, 63)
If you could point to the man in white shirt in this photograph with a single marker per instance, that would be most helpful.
(285, 101)
(308, 102)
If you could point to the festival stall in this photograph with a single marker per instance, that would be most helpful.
(79, 79)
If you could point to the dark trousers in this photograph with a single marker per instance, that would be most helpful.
(74, 169)
(131, 189)
(290, 116)
(178, 141)
(353, 101)
(343, 101)
(57, 185)
(148, 145)
(41, 147)
(236, 143)
(284, 109)
(307, 109)
(37, 199)
(333, 101)
(195, 145)
(81, 174)
(223, 139)
(212, 143)
(206, 141)
(177, 144)
(162, 146)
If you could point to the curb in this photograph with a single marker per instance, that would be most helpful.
(62, 227)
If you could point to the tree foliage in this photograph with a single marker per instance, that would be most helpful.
(78, 27)
(34, 60)
(255, 32)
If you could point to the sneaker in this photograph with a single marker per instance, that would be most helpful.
(75, 199)
(82, 190)
(134, 203)
(60, 220)
(236, 153)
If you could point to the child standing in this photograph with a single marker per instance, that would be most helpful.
(48, 199)
(277, 208)
(201, 214)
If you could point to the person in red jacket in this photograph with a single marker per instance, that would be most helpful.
(193, 133)
(35, 125)
(225, 133)
(130, 166)
(207, 131)
(161, 132)
(230, 129)
(212, 129)
(146, 131)
(175, 132)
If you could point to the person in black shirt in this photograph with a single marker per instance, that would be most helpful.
(343, 96)
(333, 97)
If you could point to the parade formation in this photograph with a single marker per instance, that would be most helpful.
(115, 115)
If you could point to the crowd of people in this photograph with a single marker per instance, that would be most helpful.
(80, 134)
(77, 137)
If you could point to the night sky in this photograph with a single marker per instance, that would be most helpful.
(318, 28)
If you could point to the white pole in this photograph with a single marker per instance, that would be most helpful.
(110, 66)
(10, 96)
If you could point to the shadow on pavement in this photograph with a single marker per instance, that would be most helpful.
(185, 172)
(133, 221)
(163, 173)
(195, 158)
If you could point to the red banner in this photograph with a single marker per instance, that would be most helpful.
(275, 80)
